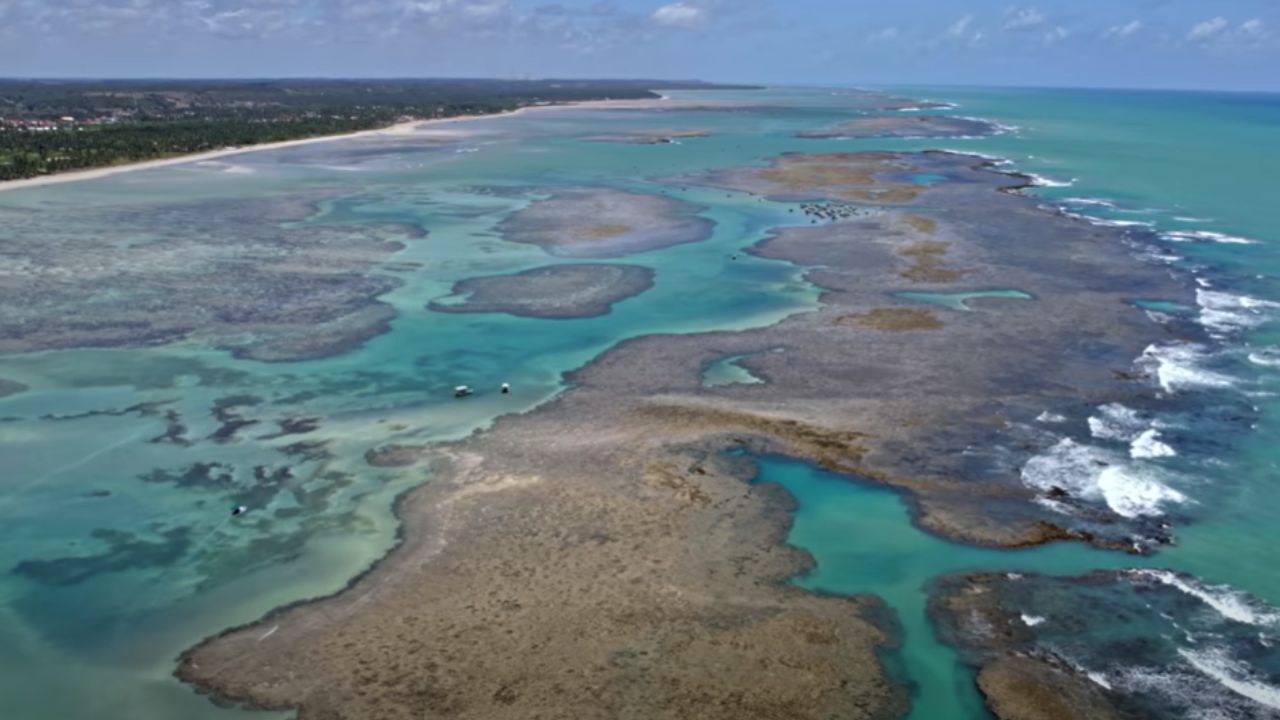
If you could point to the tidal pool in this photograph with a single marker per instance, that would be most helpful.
(862, 537)
(728, 371)
(960, 300)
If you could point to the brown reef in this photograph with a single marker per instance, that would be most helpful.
(600, 557)
(903, 126)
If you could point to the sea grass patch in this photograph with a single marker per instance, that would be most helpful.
(893, 319)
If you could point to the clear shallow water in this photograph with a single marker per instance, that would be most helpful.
(97, 639)
(728, 371)
(960, 300)
(861, 535)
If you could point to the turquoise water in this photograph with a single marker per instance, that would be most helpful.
(960, 300)
(861, 535)
(90, 626)
(728, 371)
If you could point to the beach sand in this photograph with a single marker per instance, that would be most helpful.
(400, 129)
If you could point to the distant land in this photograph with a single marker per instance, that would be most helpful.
(54, 126)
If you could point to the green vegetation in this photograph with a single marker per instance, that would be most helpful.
(121, 121)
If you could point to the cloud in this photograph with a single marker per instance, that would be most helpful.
(1024, 18)
(960, 28)
(1055, 34)
(1208, 29)
(1218, 34)
(680, 15)
(1253, 28)
(963, 30)
(885, 35)
(1119, 32)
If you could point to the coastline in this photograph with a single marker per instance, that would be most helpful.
(403, 128)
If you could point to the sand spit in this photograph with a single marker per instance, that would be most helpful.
(603, 222)
(600, 556)
(655, 137)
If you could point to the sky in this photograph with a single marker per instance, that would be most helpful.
(1210, 44)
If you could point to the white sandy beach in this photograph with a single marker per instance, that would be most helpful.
(405, 128)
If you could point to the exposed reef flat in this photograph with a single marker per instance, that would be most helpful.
(904, 126)
(602, 222)
(1109, 644)
(246, 275)
(836, 177)
(601, 557)
(555, 291)
(654, 137)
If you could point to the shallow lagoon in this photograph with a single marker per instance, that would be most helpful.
(98, 638)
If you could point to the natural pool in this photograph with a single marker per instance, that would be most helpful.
(862, 538)
(960, 300)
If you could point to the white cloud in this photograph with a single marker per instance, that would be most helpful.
(885, 35)
(1024, 18)
(1253, 28)
(960, 28)
(1208, 29)
(1055, 34)
(1119, 32)
(1218, 34)
(680, 15)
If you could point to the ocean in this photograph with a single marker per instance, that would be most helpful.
(120, 551)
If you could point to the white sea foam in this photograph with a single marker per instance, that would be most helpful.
(1189, 219)
(1048, 417)
(1224, 312)
(1099, 679)
(1130, 490)
(1178, 367)
(1267, 357)
(993, 159)
(1227, 602)
(1206, 236)
(1116, 422)
(1092, 202)
(1042, 181)
(1031, 620)
(1107, 222)
(1149, 445)
(1233, 675)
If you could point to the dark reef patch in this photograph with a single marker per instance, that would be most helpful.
(903, 126)
(124, 551)
(654, 137)
(1110, 644)
(554, 291)
(248, 275)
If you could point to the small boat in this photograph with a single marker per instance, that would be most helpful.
(462, 391)
(506, 388)
(239, 510)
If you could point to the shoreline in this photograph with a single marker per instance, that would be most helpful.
(402, 128)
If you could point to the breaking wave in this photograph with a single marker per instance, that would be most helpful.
(1130, 490)
(1227, 602)
(1180, 367)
